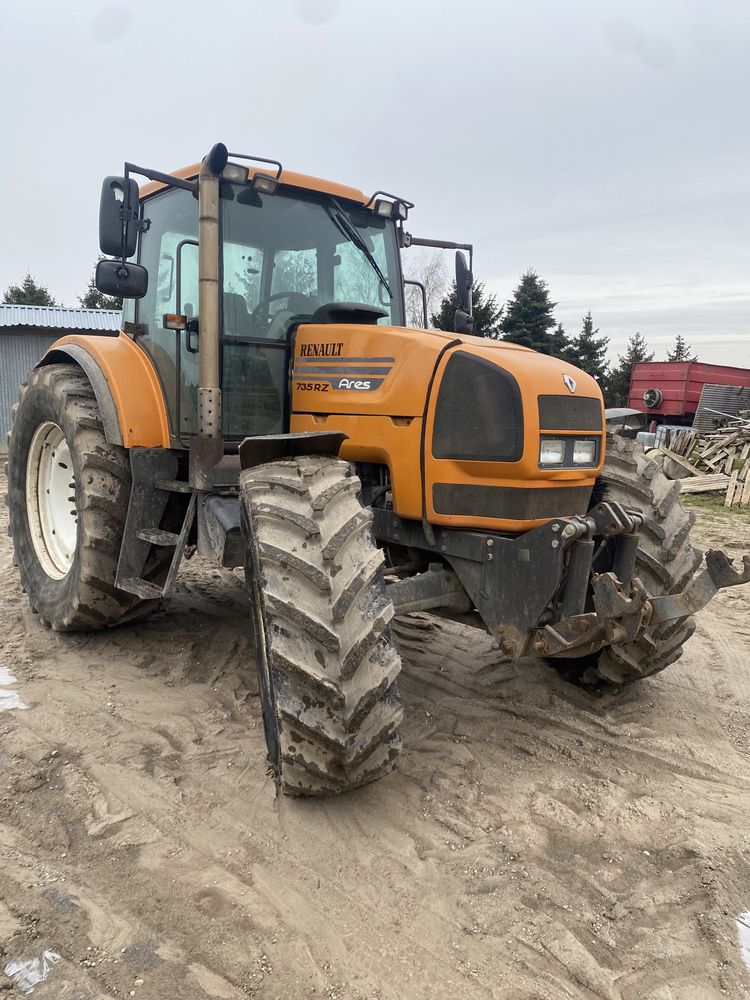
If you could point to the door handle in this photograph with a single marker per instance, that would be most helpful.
(191, 331)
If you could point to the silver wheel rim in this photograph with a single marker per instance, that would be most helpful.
(50, 500)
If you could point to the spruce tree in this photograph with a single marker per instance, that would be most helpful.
(619, 381)
(528, 319)
(682, 351)
(588, 350)
(559, 345)
(487, 313)
(28, 293)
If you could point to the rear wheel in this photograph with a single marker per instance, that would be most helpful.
(68, 495)
(327, 662)
(665, 563)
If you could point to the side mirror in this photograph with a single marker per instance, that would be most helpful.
(118, 217)
(464, 282)
(463, 322)
(127, 281)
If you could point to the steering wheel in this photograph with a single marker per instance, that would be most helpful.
(303, 304)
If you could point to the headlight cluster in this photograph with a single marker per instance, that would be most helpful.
(584, 453)
(568, 452)
(552, 452)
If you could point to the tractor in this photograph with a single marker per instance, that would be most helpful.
(265, 404)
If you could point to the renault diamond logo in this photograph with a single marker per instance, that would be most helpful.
(570, 382)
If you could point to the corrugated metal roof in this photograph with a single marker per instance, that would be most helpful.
(59, 318)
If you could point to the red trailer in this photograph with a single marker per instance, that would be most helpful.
(668, 391)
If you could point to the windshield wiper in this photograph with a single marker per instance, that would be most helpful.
(340, 218)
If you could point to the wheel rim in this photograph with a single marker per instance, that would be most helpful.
(50, 500)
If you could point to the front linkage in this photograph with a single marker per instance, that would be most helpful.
(540, 594)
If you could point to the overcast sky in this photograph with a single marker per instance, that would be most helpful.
(606, 144)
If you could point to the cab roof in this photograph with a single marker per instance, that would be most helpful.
(288, 178)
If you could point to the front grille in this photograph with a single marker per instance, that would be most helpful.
(479, 416)
(510, 503)
(570, 413)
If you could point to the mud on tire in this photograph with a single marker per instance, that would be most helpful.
(665, 563)
(327, 662)
(85, 597)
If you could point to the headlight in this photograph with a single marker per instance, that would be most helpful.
(584, 452)
(552, 452)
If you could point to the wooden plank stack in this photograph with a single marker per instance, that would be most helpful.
(716, 461)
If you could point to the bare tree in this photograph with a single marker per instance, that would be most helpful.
(430, 271)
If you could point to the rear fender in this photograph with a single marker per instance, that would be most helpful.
(126, 386)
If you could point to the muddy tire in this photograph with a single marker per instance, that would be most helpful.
(327, 661)
(68, 495)
(665, 564)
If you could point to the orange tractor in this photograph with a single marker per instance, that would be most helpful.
(265, 403)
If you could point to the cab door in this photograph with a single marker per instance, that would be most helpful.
(169, 251)
(254, 356)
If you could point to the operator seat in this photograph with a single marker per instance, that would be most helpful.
(236, 316)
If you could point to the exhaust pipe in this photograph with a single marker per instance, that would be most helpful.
(209, 313)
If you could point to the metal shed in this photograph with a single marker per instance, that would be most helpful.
(26, 333)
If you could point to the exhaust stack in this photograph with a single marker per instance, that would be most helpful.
(209, 391)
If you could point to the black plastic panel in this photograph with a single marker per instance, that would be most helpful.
(479, 416)
(508, 502)
(570, 413)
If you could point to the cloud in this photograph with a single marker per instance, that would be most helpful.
(316, 12)
(111, 22)
(626, 37)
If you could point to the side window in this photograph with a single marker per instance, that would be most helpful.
(178, 259)
(174, 218)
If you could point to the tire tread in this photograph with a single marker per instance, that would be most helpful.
(333, 662)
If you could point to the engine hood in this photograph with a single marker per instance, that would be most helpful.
(377, 369)
(457, 420)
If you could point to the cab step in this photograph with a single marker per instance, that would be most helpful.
(141, 588)
(157, 536)
(154, 473)
(173, 486)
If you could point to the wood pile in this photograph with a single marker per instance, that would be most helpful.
(715, 461)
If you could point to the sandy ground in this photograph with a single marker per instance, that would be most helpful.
(537, 841)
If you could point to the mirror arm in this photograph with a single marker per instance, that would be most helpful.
(157, 175)
(126, 213)
(418, 241)
(407, 240)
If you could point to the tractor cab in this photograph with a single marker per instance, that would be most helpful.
(291, 252)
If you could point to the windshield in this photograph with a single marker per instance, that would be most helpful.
(284, 255)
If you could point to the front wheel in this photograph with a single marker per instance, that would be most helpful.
(327, 662)
(665, 563)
